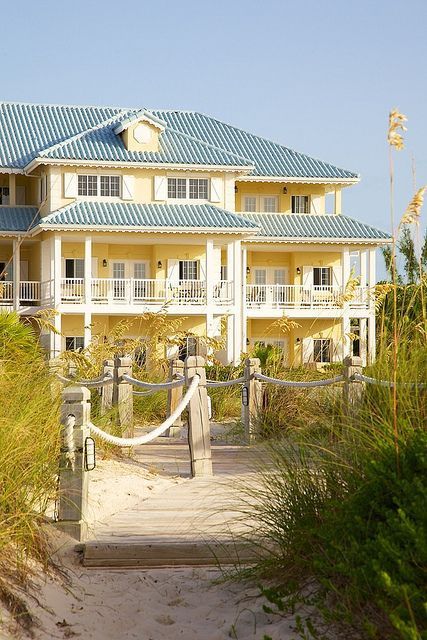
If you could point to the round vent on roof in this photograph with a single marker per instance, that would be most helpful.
(142, 133)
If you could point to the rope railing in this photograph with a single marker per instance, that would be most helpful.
(101, 381)
(359, 377)
(216, 384)
(302, 385)
(155, 386)
(144, 439)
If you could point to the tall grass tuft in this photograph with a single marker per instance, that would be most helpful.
(29, 449)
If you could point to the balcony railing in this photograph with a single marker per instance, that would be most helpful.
(29, 293)
(146, 291)
(281, 296)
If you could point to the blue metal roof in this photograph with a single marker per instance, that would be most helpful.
(175, 148)
(270, 158)
(157, 216)
(30, 130)
(310, 226)
(18, 219)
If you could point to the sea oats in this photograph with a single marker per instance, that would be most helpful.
(394, 137)
(413, 210)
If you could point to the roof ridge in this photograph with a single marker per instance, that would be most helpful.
(81, 134)
(69, 106)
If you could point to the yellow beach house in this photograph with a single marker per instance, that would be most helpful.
(109, 213)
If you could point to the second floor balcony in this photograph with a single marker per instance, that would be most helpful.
(288, 296)
(134, 291)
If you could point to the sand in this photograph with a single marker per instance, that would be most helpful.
(155, 604)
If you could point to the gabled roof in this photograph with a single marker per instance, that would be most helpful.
(310, 227)
(140, 116)
(67, 132)
(18, 219)
(193, 218)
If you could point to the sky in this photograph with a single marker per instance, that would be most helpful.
(319, 77)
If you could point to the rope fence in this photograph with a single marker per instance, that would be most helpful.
(359, 377)
(154, 386)
(217, 384)
(144, 439)
(101, 381)
(302, 384)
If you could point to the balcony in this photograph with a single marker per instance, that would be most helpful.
(29, 293)
(288, 296)
(132, 291)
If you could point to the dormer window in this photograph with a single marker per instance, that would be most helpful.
(177, 188)
(198, 189)
(87, 185)
(300, 204)
(110, 186)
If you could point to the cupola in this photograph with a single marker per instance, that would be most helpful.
(141, 132)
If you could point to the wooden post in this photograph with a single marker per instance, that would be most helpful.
(123, 395)
(107, 390)
(174, 397)
(198, 420)
(251, 398)
(352, 390)
(73, 480)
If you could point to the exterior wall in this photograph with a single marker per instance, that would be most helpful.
(143, 186)
(276, 189)
(262, 329)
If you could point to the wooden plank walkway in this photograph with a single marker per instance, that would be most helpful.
(193, 522)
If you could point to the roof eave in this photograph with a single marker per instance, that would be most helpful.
(144, 165)
(320, 240)
(297, 179)
(145, 229)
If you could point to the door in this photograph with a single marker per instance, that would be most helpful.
(280, 280)
(260, 281)
(140, 284)
(119, 283)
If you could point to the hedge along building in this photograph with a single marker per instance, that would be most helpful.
(109, 213)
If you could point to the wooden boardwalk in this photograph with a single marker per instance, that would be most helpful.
(193, 522)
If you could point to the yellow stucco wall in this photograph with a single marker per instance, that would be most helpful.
(276, 189)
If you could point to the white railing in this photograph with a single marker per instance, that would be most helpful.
(183, 292)
(287, 295)
(361, 297)
(29, 291)
(72, 289)
(223, 292)
(6, 292)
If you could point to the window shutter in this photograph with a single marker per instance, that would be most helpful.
(173, 271)
(307, 277)
(337, 276)
(94, 267)
(128, 184)
(172, 352)
(70, 185)
(216, 190)
(20, 195)
(307, 350)
(23, 269)
(316, 205)
(201, 269)
(217, 263)
(160, 188)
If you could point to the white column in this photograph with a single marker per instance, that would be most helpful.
(346, 342)
(372, 279)
(238, 291)
(88, 270)
(244, 311)
(56, 273)
(363, 268)
(87, 328)
(12, 189)
(363, 342)
(210, 275)
(371, 339)
(230, 318)
(16, 270)
(345, 266)
(230, 334)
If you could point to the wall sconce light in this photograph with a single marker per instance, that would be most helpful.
(285, 189)
(248, 271)
(236, 188)
(298, 341)
(104, 263)
(298, 270)
(248, 342)
(159, 264)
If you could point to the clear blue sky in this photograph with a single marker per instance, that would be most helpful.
(319, 77)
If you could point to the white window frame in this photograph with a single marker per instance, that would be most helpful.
(321, 352)
(325, 275)
(75, 261)
(188, 265)
(259, 202)
(187, 197)
(98, 179)
(74, 339)
(296, 204)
